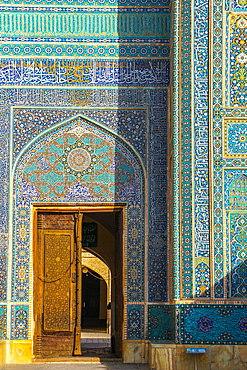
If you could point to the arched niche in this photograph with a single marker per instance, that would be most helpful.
(75, 162)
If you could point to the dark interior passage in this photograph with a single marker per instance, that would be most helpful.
(93, 301)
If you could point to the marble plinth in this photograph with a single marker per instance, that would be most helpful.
(174, 357)
(134, 352)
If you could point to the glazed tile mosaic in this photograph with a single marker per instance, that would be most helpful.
(116, 131)
(186, 258)
(26, 121)
(47, 171)
(94, 3)
(84, 73)
(200, 161)
(92, 79)
(3, 322)
(216, 324)
(19, 322)
(160, 322)
(136, 319)
(209, 170)
(3, 266)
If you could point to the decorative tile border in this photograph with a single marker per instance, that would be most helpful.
(236, 59)
(200, 150)
(71, 72)
(216, 162)
(185, 154)
(158, 285)
(135, 329)
(3, 322)
(3, 266)
(238, 5)
(79, 22)
(237, 251)
(88, 50)
(91, 3)
(234, 138)
(160, 322)
(19, 322)
(213, 324)
(176, 150)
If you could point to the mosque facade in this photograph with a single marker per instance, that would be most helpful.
(131, 114)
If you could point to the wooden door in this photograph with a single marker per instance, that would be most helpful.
(55, 286)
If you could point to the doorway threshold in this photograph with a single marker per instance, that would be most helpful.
(93, 360)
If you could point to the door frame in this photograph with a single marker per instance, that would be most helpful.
(83, 208)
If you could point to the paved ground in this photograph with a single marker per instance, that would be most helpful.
(95, 340)
(77, 366)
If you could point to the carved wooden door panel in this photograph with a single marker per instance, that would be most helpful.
(55, 285)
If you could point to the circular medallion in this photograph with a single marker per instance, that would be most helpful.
(205, 324)
(79, 159)
(243, 324)
(242, 138)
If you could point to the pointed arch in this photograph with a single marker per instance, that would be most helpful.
(42, 174)
(90, 121)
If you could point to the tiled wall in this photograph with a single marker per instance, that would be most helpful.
(91, 79)
(210, 170)
(106, 76)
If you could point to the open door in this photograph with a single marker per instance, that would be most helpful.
(57, 285)
(58, 278)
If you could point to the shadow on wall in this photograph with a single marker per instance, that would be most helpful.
(204, 323)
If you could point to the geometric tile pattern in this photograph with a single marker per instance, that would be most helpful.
(235, 184)
(135, 328)
(4, 168)
(160, 322)
(213, 324)
(235, 189)
(3, 322)
(80, 30)
(3, 266)
(83, 23)
(228, 142)
(85, 73)
(200, 137)
(235, 138)
(111, 75)
(216, 152)
(19, 322)
(110, 3)
(202, 277)
(238, 253)
(228, 138)
(176, 149)
(238, 5)
(238, 59)
(88, 48)
(33, 120)
(157, 209)
(50, 171)
(30, 121)
(157, 268)
(185, 155)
